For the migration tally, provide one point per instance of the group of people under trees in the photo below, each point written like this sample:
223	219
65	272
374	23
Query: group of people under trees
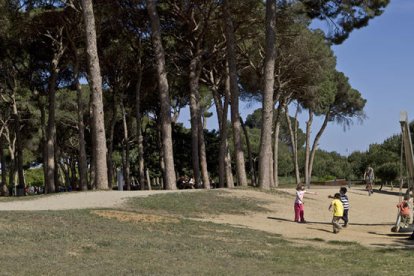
340	206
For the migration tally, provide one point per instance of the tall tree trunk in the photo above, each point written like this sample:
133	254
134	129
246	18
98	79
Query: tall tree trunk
19	149
307	147
203	155
82	157
223	138
125	146
227	160
293	144
111	140
276	147
51	130
249	153
316	142
83	164
170	178
195	115
44	143
97	102
140	138
265	154
4	191
225	172
12	169
234	89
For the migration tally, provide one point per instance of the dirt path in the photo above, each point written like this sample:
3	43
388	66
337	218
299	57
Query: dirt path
77	200
371	217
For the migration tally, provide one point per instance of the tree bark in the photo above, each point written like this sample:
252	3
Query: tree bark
44	144
223	138
227	160
101	174
194	119
83	164
203	155
293	144
4	191
249	153
316	142
51	130
170	178
234	89
307	147
125	146
111	139
140	138
265	154
19	147
276	147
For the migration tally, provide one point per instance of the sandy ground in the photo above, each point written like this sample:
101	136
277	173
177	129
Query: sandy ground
78	200
371	217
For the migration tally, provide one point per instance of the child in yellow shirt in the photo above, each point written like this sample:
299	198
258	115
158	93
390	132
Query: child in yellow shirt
338	211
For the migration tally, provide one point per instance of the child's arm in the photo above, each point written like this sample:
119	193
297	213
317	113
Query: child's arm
330	206
312	193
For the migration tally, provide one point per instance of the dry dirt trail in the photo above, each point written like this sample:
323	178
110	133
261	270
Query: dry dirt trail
371	217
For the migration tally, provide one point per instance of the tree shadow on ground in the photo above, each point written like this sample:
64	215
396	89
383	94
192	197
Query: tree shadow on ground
292	221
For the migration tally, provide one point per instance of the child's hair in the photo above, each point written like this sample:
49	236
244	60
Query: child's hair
300	187
405	204
343	190
337	195
406	197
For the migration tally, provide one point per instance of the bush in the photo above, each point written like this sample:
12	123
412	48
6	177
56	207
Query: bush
34	177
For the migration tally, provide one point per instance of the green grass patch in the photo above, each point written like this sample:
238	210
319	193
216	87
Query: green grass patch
194	204
343	243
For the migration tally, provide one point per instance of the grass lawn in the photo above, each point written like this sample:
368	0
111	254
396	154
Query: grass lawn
156	236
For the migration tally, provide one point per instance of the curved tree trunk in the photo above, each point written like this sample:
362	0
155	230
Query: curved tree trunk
265	154
316	142
293	144
170	178
234	90
101	171
307	147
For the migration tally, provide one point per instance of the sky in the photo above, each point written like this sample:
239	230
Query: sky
379	62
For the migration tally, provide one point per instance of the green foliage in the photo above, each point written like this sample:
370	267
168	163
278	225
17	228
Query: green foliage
389	171
34	177
331	165
343	17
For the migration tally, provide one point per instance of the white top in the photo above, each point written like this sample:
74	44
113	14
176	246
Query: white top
299	197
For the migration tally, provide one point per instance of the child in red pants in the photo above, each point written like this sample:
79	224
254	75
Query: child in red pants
299	210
